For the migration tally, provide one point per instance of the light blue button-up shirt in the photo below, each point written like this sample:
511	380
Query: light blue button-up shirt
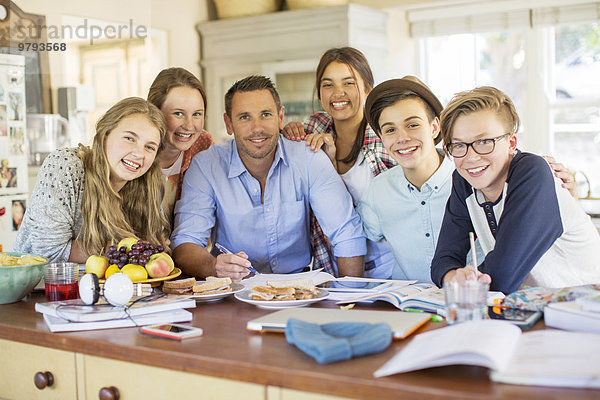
221	200
409	219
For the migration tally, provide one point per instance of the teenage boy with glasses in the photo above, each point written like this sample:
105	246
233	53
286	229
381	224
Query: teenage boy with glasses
531	230
405	204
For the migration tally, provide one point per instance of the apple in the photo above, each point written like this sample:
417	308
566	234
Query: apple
96	265
127	243
159	265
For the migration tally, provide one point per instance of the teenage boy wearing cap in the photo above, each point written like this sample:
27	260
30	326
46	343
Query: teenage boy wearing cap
406	205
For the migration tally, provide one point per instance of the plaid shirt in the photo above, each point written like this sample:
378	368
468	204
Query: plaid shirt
379	160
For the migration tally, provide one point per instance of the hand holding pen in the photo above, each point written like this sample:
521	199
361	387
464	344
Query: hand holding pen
469	272
472	271
235	266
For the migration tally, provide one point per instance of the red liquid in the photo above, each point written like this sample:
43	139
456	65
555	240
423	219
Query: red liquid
62	291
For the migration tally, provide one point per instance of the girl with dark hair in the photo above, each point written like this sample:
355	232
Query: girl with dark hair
343	81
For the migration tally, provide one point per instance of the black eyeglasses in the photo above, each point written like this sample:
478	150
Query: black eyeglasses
481	146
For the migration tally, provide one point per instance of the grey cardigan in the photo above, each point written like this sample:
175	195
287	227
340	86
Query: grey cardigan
53	216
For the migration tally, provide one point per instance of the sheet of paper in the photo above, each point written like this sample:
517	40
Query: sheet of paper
318	277
554	358
350	296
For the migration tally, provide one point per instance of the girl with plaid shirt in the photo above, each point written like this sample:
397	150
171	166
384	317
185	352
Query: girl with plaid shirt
343	81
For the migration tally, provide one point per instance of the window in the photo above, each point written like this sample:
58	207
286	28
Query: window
548	63
117	66
495	59
575	109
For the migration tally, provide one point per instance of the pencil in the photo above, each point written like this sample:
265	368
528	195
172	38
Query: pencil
473	250
222	249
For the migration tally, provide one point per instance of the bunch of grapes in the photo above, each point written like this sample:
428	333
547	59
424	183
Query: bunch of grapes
139	254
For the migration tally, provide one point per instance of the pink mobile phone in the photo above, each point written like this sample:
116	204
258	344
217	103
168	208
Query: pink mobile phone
172	331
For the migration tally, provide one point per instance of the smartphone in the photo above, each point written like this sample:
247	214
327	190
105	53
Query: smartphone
172	331
522	318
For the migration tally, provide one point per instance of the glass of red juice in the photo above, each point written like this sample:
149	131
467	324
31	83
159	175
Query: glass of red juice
61	281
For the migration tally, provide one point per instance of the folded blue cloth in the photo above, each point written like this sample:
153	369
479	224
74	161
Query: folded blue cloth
338	341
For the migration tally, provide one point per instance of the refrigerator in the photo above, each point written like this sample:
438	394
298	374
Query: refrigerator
14	185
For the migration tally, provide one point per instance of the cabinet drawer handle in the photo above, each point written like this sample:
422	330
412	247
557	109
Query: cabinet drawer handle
43	379
109	393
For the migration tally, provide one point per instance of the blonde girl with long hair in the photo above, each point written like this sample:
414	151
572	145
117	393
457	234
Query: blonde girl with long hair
87	198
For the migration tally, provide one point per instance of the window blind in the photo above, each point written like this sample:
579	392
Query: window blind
487	16
566	14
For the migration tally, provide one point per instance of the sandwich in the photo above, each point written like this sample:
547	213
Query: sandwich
180	286
213	285
271	293
297	289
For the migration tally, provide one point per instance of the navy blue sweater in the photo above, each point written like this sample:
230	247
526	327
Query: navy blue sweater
524	223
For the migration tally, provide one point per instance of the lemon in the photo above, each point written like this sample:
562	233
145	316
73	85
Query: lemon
135	272
112	269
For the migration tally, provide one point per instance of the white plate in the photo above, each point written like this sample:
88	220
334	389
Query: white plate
276	305
236	287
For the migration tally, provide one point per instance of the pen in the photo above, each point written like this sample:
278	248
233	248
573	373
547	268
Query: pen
434	317
222	249
473	251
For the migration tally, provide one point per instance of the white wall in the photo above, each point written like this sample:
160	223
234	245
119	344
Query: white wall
177	17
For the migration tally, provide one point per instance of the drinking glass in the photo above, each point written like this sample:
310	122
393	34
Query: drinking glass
465	301
61	281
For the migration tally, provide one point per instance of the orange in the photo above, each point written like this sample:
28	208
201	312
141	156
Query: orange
112	269
135	272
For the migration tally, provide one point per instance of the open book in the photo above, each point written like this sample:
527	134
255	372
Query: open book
543	357
423	296
77	311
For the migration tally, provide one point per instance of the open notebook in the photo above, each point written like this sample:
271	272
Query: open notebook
543	357
402	323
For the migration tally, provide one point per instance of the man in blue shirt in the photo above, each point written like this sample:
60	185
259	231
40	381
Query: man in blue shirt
253	195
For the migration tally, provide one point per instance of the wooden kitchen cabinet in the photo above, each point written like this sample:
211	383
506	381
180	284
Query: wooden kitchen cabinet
136	381
285	46
277	393
227	362
20	363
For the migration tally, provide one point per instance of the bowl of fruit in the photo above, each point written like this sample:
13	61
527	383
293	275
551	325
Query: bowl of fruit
138	259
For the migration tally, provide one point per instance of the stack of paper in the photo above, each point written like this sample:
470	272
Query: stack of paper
74	315
581	315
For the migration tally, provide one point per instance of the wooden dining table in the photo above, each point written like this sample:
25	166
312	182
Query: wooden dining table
228	361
